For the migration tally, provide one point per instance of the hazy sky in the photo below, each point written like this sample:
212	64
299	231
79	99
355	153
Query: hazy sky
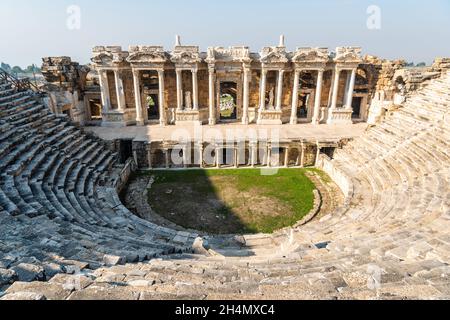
414	30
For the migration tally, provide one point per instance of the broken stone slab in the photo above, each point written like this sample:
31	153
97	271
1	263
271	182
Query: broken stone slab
51	291
111	260
73	264
7	277
52	269
21	296
132	258
72	282
201	246
141	283
29	272
7	262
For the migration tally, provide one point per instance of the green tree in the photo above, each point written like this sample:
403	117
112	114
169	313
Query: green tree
32	69
421	64
16	70
6	67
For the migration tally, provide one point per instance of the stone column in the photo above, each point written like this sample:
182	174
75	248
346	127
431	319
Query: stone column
286	157
179	90
119	91
162	107
335	89
212	107
195	89
317	155
334	96
218	157
316	116
347	85
269	156
351	88
295	92
246	93
137	97
104	86
253	154
279	89
236	158
262	91
302	157
200	153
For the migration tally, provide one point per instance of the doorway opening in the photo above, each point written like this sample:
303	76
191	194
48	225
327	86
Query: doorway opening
125	150
152	104
302	110
228	101
95	107
356	106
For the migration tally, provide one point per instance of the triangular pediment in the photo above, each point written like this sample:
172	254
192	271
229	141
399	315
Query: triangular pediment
310	55
274	55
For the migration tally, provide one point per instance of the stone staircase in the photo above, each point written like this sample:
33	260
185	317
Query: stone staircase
391	239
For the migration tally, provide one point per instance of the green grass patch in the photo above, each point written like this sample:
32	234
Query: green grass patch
232	201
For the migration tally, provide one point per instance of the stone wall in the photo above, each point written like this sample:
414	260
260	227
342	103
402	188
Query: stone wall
65	84
112	90
170	85
441	64
128	84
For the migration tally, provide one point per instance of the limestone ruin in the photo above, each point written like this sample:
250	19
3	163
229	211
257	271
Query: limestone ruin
378	129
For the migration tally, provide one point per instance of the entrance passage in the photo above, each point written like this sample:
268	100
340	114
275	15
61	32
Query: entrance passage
126	150
228	101
356	105
95	106
152	107
302	110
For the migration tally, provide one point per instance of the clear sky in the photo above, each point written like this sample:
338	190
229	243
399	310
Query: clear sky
415	30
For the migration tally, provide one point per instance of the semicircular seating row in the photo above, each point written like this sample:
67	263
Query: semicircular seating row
50	209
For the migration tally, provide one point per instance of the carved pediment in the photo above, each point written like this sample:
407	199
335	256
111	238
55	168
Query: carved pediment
274	55
103	58
348	54
108	55
143	57
185	57
232	54
310	55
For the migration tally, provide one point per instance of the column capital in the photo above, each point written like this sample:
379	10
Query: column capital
211	68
